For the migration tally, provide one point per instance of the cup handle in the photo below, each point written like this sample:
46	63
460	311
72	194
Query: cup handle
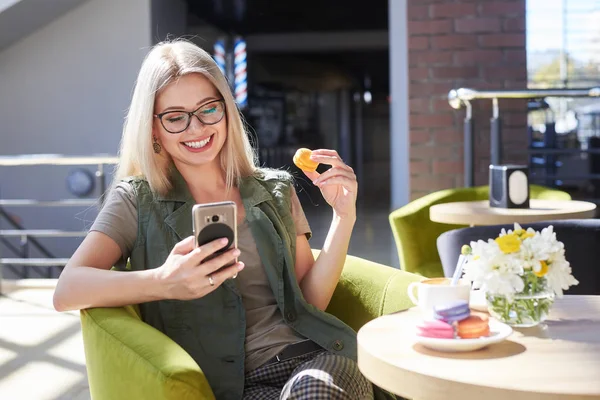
411	292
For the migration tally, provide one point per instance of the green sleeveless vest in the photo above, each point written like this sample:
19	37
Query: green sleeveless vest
212	329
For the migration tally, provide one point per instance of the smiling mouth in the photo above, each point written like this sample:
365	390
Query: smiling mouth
198	144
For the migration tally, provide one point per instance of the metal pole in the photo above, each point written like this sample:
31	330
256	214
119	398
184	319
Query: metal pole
469	147
345	138
358	135
24	252
495	136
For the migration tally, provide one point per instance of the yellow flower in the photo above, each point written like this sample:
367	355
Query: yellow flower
509	243
523	234
543	271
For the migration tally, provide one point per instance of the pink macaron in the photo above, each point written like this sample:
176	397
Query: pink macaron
435	329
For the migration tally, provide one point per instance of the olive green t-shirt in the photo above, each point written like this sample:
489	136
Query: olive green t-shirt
266	332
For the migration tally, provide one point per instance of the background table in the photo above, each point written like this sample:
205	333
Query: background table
480	212
557	360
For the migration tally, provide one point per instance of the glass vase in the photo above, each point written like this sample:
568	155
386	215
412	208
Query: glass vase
524	309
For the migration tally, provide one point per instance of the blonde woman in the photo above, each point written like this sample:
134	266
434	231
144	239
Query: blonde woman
264	334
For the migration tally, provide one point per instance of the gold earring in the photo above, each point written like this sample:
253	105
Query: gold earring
157	147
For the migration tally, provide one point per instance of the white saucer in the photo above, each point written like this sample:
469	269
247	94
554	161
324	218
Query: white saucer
498	333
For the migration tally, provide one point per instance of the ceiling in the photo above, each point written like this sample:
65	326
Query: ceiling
244	17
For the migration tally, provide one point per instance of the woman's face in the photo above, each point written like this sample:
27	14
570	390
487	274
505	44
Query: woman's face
200	142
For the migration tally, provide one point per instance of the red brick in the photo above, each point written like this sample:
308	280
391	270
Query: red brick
421	89
429	57
415	195
448	167
490	85
418	42
514	119
502	8
418	73
452	10
419	106
448	135
429	27
515	56
515	83
454	72
419	136
430	183
416	12
454	42
431	120
472	25
440	104
477	57
503	40
420	167
512	105
427	152
512	72
517	24
426	1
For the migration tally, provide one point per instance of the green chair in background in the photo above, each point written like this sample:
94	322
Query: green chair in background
128	359
416	235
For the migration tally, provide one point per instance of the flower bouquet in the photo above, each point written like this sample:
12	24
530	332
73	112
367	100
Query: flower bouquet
520	271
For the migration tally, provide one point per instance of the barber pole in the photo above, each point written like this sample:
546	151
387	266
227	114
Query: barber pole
241	75
219	55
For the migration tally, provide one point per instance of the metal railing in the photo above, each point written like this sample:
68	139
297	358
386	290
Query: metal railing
462	97
28	236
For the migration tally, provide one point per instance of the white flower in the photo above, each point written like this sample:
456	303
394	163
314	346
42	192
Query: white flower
492	270
559	275
496	272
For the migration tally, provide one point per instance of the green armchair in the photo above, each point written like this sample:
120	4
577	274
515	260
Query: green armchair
416	235
128	359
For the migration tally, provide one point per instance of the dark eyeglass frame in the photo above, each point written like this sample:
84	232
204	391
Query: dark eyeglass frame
192	114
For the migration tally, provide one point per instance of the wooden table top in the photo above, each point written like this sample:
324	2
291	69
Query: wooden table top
480	212
559	359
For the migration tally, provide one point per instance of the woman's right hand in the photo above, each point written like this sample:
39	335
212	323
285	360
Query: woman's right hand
185	276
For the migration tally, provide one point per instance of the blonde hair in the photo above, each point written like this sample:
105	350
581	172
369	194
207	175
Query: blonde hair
164	63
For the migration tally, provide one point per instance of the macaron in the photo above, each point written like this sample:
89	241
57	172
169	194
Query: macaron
474	327
452	311
303	161
435	329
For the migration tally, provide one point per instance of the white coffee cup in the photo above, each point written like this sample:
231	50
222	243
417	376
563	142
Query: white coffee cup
437	291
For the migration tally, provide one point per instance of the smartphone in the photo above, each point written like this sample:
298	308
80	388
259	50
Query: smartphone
213	221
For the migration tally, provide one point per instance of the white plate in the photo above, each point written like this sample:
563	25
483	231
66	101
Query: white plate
477	301
498	333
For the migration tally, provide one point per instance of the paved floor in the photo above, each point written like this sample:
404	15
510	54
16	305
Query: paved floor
41	350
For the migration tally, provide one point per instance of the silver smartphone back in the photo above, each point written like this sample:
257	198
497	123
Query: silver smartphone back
213	221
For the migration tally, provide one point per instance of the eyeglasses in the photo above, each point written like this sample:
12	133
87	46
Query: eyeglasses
178	121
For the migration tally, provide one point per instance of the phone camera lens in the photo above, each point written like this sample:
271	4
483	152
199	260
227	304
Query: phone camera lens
215	218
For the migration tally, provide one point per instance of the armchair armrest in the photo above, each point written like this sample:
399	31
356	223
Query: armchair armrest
129	359
368	290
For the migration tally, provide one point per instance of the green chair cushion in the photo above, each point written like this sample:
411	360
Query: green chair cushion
128	359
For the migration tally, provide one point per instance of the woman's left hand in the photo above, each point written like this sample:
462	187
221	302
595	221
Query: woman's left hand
338	184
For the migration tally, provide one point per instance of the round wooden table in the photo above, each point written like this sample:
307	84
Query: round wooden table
559	359
480	213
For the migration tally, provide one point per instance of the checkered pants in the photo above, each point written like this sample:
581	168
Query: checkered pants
315	376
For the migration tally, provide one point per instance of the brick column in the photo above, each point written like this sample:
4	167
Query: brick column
478	44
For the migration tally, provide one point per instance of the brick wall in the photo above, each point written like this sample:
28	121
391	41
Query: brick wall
478	44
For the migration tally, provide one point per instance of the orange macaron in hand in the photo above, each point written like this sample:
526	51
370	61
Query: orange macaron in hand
303	161
473	327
